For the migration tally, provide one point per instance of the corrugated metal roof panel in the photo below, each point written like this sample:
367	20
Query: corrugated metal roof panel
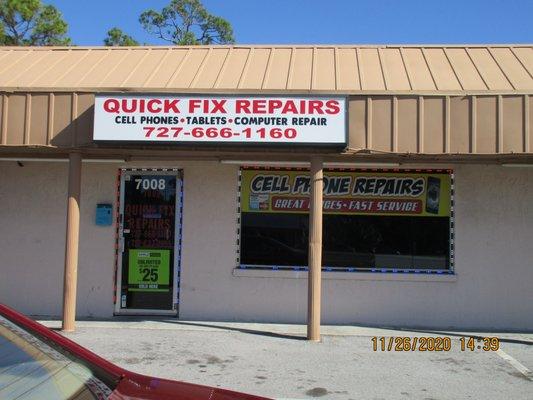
277	69
323	76
254	73
489	70
185	73
14	70
465	70
370	70
417	70
4	54
144	68
74	74
394	70
9	59
525	55
512	68
300	71
210	70
232	70
347	69
441	70
127	66
104	68
36	70
166	68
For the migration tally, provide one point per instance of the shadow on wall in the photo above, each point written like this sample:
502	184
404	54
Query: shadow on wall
78	132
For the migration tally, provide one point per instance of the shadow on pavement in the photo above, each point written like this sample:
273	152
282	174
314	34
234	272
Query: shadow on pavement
244	330
475	336
220	326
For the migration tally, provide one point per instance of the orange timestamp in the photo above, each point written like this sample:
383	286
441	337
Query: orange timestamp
433	343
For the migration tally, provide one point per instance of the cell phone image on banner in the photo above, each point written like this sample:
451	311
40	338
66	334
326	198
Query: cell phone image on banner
259	201
433	195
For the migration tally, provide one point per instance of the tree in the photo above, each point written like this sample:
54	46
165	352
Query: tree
31	23
187	22
115	37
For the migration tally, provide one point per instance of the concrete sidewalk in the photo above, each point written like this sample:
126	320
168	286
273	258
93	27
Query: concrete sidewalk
278	329
274	360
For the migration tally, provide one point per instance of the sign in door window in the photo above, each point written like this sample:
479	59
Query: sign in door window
149	241
149	270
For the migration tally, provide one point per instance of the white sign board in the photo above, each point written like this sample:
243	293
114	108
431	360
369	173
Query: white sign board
220	119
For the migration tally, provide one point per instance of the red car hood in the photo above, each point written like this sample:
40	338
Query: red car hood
129	385
143	387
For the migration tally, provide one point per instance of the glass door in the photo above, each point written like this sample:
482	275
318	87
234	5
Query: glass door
148	267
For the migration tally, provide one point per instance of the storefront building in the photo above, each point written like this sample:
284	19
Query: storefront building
184	181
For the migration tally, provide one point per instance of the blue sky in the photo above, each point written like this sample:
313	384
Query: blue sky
323	22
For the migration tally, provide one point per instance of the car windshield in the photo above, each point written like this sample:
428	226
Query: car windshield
30	369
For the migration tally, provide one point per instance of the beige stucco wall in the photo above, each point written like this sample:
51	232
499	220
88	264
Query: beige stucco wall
494	261
32	238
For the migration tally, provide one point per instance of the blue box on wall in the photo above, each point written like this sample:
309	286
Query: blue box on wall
104	214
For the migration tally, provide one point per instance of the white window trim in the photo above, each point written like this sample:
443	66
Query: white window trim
424	276
353	276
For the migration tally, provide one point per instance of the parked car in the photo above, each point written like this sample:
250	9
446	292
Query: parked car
38	363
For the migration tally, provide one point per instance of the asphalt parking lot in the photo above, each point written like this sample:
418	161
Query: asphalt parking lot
275	361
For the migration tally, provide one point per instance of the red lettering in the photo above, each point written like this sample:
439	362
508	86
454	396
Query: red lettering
316	105
242	106
111	106
171	105
332	107
259	106
194	104
289	107
218	106
274	105
132	108
150	105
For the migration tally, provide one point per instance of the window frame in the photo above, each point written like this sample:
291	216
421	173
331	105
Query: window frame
299	268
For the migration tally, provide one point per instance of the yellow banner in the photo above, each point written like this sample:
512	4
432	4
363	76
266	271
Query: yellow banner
421	194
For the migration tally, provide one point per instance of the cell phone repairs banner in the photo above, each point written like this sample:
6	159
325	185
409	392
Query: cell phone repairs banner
423	194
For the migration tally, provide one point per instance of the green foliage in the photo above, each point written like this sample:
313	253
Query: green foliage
187	22
115	37
30	23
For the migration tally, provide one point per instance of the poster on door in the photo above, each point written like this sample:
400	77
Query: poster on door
149	270
397	193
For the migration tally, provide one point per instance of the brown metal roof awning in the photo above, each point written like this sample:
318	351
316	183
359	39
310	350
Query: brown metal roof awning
421	101
339	69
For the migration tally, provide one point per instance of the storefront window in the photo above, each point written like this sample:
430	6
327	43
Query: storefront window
373	220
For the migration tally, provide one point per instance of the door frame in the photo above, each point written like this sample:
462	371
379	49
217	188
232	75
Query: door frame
178	218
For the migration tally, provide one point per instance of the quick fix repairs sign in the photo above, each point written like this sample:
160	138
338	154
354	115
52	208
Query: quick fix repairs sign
210	119
399	193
